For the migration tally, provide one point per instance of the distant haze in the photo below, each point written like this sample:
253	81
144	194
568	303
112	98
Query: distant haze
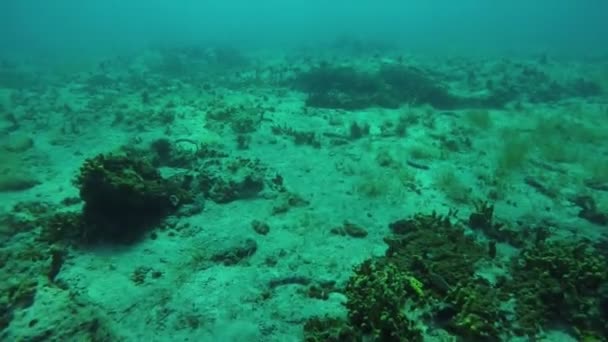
71	27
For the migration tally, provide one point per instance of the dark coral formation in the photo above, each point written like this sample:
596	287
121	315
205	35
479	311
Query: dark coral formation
482	219
165	152
123	196
589	210
242	119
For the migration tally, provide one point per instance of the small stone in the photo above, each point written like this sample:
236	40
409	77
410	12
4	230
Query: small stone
15	182
350	229
354	230
19	144
238	251
260	227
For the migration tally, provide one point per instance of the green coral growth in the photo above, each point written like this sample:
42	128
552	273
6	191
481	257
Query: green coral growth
328	329
561	282
437	252
436	268
443	258
477	316
377	294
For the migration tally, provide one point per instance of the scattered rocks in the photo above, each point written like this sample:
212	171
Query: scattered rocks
236	253
350	229
19	143
260	227
590	211
17	182
287	200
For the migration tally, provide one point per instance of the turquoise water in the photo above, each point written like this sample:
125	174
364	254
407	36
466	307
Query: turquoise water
303	171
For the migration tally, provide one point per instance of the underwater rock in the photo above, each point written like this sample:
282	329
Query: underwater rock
17	182
19	143
260	227
350	229
239	251
225	180
309	138
590	211
15	174
286	200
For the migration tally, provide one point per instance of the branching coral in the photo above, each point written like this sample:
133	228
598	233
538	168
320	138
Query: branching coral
561	282
377	293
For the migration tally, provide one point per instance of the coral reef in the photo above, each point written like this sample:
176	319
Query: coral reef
377	294
378	132
475	313
561	282
124	196
435	250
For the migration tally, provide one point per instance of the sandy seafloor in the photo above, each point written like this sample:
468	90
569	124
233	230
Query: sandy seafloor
56	117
